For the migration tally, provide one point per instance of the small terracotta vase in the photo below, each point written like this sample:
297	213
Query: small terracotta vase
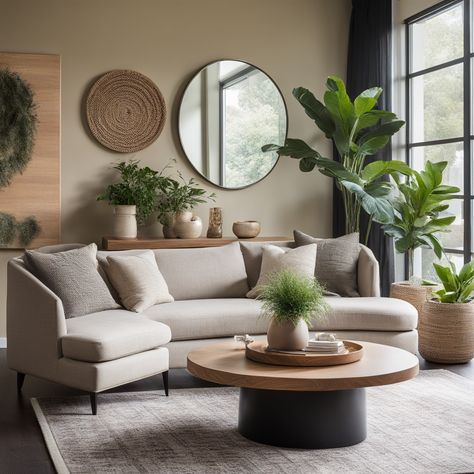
125	222
286	336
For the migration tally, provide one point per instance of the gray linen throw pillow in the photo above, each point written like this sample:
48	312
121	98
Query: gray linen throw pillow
73	276
336	261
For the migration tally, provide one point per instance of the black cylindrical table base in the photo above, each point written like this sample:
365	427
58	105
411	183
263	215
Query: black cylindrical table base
310	420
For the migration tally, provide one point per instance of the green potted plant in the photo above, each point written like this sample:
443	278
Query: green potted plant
133	197
446	327
419	217
175	202
291	301
358	130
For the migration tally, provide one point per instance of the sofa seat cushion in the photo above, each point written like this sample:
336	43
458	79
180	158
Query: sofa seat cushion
209	318
109	335
367	314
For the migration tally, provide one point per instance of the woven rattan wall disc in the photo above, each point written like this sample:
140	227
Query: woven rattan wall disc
125	111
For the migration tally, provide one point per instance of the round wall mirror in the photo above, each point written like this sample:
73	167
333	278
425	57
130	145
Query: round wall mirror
229	110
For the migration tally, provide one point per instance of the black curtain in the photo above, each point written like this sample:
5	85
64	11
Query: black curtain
369	64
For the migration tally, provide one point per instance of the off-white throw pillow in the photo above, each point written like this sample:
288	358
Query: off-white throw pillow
137	280
301	260
336	263
73	275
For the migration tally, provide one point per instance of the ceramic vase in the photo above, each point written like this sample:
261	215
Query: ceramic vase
214	231
168	228
246	229
125	222
187	226
287	337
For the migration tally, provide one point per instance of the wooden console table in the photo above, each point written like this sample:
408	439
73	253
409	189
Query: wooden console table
109	243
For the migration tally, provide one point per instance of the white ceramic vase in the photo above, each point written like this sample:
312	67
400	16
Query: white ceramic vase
125	222
287	337
187	226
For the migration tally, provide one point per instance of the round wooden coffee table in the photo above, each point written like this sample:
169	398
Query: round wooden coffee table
302	407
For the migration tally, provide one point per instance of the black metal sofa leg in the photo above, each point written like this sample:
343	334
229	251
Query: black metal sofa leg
93	397
165	382
20	378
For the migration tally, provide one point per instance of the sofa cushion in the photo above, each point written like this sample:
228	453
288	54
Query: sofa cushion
109	335
367	314
211	318
253	252
137	280
274	259
73	275
336	263
217	272
201	319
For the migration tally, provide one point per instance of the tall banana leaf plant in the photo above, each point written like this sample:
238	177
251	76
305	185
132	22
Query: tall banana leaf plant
358	130
420	212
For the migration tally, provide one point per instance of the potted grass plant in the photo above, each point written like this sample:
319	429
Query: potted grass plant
291	301
446	327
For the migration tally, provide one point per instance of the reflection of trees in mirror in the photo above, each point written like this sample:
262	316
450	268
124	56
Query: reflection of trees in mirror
256	115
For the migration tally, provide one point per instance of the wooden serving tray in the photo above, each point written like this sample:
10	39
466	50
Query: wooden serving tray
257	352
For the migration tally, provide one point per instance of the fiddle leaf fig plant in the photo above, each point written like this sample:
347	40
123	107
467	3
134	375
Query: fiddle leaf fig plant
457	287
418	211
358	130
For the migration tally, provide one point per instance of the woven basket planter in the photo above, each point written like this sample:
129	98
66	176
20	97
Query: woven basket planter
446	332
415	294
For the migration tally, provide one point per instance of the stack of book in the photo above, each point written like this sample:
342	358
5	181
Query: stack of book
326	347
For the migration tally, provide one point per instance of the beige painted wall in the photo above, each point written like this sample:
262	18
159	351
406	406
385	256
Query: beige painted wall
297	42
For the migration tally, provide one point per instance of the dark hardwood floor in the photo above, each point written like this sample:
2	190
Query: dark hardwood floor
22	449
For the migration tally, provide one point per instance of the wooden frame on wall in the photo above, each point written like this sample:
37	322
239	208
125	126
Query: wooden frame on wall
36	192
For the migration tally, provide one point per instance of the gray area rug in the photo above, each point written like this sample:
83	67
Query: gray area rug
425	425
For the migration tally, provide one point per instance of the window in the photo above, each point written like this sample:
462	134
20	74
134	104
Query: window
438	91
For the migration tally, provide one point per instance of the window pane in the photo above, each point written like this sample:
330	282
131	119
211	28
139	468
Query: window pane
451	152
454	239
437	39
428	258
437	104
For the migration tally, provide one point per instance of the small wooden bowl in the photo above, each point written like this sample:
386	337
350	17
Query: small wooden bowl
246	229
257	352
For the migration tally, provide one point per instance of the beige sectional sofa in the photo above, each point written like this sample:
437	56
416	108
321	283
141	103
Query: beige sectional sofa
209	286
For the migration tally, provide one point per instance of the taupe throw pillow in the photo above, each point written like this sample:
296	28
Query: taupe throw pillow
336	263
74	277
301	260
137	280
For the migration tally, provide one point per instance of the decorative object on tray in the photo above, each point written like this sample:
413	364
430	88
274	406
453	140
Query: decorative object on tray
246	229
291	301
325	343
187	225
178	196
258	351
214	231
134	194
446	326
125	111
245	339
29	149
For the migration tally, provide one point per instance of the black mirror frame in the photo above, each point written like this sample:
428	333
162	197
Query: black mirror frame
179	117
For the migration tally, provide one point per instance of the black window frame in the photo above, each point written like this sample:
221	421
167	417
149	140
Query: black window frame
465	59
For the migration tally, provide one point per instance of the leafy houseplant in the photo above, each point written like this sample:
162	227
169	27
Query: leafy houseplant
417	219
446	328
358	130
291	301
176	201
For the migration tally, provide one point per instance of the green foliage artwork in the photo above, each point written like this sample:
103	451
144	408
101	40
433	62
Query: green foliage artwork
18	121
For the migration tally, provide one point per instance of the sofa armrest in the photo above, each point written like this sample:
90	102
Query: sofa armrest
35	323
368	278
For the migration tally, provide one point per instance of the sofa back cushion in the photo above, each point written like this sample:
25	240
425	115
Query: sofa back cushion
252	253
73	275
201	273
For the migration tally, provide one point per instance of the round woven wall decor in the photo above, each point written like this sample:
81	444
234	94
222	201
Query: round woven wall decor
125	111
